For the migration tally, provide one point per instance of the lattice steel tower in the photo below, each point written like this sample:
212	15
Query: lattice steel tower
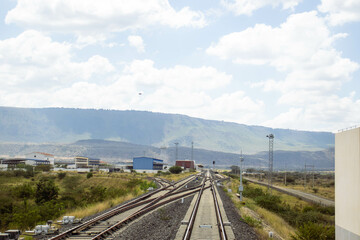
271	159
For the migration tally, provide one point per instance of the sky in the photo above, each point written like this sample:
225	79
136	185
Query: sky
276	63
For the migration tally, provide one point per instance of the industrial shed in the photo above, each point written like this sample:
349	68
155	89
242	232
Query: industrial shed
146	163
186	164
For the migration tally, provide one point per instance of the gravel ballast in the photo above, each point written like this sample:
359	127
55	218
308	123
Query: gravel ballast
242	230
162	223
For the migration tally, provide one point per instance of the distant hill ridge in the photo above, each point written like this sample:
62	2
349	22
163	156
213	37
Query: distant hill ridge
114	151
67	125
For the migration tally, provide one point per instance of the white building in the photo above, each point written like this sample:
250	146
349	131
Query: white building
36	156
347	184
86	162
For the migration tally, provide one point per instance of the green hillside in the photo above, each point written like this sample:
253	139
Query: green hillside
65	125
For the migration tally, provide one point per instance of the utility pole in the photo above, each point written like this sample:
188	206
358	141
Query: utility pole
241	187
313	179
176	151
271	159
285	172
192	151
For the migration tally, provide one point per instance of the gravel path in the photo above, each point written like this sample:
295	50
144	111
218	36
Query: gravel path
242	230
163	223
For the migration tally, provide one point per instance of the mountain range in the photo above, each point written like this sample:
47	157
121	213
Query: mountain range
67	125
114	135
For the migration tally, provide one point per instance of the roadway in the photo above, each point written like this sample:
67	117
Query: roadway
296	193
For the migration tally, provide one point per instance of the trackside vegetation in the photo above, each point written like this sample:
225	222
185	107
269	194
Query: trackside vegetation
29	198
310	221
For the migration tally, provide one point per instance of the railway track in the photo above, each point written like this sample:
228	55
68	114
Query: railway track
103	226
206	218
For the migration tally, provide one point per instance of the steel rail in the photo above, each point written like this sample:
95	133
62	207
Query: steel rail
221	227
193	214
134	203
139	213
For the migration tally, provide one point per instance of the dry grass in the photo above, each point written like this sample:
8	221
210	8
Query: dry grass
98	207
176	177
320	184
326	192
268	218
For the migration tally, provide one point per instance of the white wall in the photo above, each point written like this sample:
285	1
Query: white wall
347	185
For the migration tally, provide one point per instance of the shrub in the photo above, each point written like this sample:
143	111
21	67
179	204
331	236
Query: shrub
46	190
326	210
24	191
290	179
311	231
253	192
43	168
309	216
175	169
252	221
61	175
270	202
89	175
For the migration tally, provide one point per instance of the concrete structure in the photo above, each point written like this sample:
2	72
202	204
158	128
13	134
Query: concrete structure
123	165
13	162
86	162
40	156
347	185
186	164
146	163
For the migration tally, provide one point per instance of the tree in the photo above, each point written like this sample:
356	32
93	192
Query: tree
175	169
89	175
24	192
46	190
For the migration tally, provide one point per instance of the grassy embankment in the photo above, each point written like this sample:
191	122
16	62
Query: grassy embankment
30	199
104	181
287	215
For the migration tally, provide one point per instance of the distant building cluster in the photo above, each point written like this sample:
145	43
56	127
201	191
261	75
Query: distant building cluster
85	164
40	158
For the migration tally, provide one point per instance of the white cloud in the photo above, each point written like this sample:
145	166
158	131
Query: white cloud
302	49
96	19
178	77
137	42
247	7
33	61
341	11
328	113
36	71
236	107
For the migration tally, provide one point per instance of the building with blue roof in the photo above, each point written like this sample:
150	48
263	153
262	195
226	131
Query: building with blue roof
146	163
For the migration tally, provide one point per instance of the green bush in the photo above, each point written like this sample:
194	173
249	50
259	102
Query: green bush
311	231
253	192
270	202
290	179
61	175
46	190
89	175
175	169
252	221
309	216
